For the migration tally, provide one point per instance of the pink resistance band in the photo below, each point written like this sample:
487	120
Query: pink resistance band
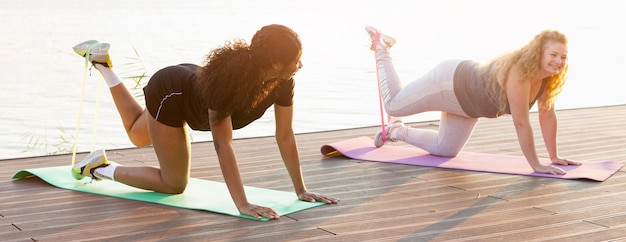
380	95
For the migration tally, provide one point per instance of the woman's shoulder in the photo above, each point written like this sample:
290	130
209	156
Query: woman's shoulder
183	67
179	70
187	66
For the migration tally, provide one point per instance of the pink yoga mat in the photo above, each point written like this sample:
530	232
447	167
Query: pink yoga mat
362	148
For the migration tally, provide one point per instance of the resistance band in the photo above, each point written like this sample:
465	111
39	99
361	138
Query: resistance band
80	107
380	94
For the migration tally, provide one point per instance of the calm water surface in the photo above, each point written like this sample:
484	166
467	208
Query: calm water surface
41	78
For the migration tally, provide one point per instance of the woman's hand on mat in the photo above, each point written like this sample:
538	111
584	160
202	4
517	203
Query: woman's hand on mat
549	169
258	211
564	162
314	197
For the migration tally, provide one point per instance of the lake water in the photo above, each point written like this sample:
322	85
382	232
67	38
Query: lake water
41	77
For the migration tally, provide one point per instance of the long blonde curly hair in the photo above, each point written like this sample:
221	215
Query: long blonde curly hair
528	60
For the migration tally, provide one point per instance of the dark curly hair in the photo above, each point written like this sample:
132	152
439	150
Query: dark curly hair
231	77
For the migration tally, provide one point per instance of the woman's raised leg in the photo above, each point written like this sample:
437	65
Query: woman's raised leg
132	113
433	91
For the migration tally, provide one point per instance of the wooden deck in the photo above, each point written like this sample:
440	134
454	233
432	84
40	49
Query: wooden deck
379	202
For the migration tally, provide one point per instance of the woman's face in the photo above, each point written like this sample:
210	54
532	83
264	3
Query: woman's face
289	70
554	57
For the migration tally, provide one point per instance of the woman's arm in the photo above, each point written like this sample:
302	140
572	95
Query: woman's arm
222	132
287	144
289	151
518	92
548	123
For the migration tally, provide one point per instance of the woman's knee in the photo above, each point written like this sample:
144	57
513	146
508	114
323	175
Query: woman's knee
174	188
396	109
446	152
392	112
138	133
139	139
172	181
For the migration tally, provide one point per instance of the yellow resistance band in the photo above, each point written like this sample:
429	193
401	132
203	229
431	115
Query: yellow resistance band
80	107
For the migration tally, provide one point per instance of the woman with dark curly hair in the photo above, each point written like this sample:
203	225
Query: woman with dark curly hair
465	91
235	86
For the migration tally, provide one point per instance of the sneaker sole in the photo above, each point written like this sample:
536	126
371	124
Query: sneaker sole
78	49
99	52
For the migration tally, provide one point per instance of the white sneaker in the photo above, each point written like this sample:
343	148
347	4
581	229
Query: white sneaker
384	41
99	52
86	167
378	138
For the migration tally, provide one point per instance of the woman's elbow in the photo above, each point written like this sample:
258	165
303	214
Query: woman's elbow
284	136
547	115
520	123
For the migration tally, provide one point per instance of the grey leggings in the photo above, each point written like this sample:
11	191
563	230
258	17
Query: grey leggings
431	92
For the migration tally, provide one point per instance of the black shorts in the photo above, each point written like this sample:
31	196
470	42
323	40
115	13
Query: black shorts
167	94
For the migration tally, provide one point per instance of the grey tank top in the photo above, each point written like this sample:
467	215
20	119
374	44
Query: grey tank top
475	96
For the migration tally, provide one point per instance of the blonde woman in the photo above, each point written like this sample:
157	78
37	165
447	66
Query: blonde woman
465	91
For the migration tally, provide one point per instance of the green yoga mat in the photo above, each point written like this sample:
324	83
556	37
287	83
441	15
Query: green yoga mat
199	195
